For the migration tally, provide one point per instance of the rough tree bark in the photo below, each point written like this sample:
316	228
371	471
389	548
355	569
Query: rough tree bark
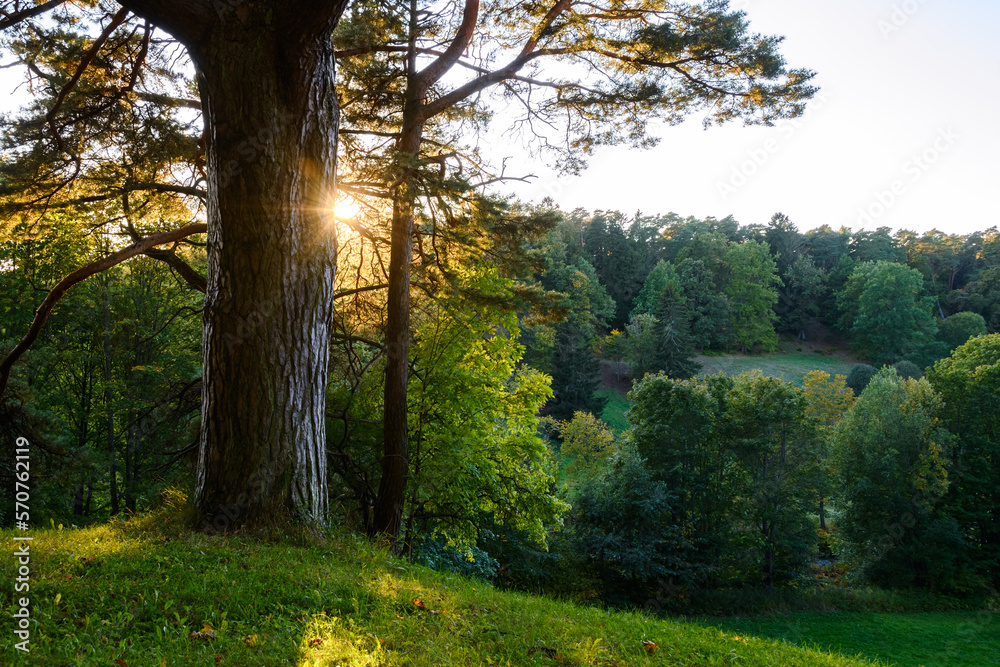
266	76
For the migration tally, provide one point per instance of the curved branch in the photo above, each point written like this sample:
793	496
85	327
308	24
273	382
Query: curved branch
25	14
194	279
56	293
430	75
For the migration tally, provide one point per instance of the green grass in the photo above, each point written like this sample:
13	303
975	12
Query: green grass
955	639
113	595
614	411
790	366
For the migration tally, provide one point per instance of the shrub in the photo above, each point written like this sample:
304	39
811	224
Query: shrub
960	327
907	369
859	377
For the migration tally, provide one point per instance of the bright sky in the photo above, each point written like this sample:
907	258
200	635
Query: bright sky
904	132
905	129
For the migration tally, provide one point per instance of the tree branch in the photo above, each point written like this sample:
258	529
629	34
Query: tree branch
186	20
528	53
430	75
194	279
13	19
57	292
358	290
50	117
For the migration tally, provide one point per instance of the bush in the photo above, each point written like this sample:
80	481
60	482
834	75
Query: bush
859	377
907	369
960	327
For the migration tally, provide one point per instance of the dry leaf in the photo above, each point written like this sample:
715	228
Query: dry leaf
417	602
250	640
649	646
206	636
315	641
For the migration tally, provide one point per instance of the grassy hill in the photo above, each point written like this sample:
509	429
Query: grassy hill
791	363
128	595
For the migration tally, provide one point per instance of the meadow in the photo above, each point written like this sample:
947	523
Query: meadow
145	595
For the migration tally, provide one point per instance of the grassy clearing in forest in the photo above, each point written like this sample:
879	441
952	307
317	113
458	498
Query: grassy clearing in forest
150	596
614	411
791	366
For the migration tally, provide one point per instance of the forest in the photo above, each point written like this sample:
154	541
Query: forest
248	304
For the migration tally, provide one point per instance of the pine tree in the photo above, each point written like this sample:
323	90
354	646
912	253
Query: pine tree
675	348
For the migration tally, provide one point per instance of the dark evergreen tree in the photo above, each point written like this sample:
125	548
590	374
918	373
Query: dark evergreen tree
576	370
674	347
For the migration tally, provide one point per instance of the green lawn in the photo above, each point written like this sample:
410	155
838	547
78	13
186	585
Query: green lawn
955	639
791	366
149	597
614	410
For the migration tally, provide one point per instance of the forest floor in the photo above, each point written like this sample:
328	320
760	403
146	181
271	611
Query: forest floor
146	595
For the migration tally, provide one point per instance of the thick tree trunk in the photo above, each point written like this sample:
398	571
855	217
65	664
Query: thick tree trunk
271	116
266	76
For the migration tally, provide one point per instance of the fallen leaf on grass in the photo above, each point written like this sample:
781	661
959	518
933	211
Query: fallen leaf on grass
315	641
417	602
250	640
206	633
649	646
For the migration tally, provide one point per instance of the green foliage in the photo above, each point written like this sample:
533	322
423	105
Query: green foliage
109	392
640	345
907	369
752	292
652	289
619	523
859	377
707	304
883	310
891	453
968	383
960	327
474	445
674	347
587	442
985	297
742	464
778	448
802	295
565	348
828	399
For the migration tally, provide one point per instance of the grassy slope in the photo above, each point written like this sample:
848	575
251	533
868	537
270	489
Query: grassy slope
956	639
791	366
108	596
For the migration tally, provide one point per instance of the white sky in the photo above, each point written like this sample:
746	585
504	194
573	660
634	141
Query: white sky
899	79
886	97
